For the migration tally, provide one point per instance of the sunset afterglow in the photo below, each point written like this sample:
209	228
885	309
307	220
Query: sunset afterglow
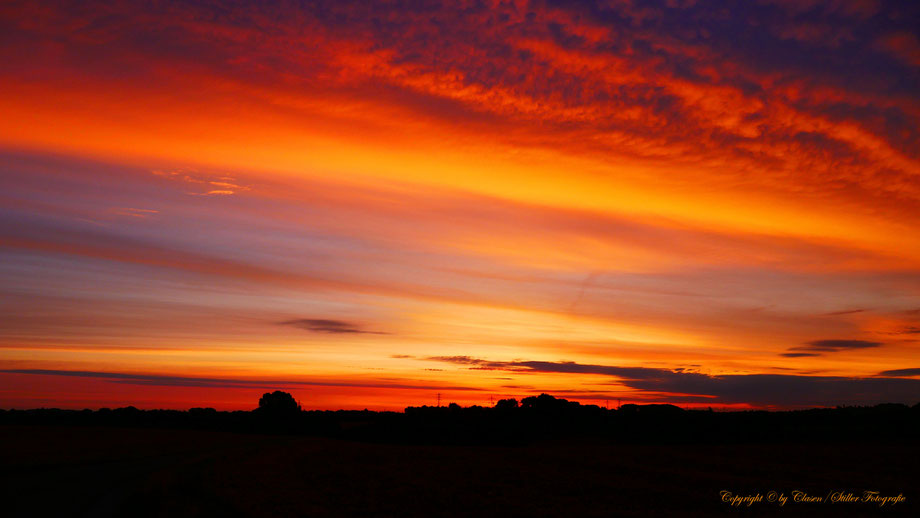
369	205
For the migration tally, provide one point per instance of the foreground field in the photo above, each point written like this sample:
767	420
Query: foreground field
84	471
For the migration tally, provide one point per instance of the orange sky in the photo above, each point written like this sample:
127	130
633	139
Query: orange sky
370	204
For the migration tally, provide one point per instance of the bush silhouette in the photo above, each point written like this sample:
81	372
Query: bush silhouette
278	403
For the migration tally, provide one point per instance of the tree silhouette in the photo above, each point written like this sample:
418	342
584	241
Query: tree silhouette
278	403
545	402
506	404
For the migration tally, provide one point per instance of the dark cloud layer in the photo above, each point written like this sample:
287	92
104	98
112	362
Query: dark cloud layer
837	345
819	347
845	312
901	372
322	325
757	389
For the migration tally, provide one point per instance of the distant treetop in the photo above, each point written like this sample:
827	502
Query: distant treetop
278	402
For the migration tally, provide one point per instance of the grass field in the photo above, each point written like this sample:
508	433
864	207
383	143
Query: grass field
83	471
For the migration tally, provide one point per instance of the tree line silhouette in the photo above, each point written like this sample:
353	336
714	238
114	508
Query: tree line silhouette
511	422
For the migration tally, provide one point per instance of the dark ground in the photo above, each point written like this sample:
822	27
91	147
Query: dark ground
67	471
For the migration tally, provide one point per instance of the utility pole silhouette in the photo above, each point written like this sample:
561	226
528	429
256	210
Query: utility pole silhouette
491	402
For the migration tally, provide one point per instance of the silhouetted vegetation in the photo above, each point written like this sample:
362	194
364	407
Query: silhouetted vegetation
510	422
542	456
278	403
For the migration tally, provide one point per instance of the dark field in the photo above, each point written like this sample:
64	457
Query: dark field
88	471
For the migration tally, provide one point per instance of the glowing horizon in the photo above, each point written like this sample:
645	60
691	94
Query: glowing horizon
368	205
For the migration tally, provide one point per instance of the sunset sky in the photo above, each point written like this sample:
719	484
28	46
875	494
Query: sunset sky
370	204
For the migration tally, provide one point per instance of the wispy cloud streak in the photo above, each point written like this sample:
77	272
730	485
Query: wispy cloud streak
187	381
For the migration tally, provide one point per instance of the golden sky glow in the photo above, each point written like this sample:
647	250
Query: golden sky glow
368	204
